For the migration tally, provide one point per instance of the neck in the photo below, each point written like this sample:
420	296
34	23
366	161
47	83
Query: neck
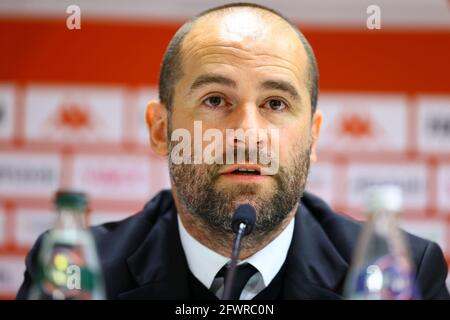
223	243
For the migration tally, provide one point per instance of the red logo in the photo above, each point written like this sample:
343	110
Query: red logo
356	126
73	116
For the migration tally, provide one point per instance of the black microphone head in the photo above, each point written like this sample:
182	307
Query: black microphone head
245	213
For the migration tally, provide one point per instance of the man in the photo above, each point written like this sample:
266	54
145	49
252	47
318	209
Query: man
239	66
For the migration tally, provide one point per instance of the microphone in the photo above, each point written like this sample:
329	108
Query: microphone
244	219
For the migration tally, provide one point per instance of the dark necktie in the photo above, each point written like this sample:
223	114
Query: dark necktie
243	273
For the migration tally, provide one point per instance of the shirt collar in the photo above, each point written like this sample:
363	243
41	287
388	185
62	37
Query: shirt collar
205	263
269	259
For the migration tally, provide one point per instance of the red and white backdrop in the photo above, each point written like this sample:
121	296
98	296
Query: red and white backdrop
72	109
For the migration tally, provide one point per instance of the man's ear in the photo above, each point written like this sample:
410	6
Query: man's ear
156	118
316	123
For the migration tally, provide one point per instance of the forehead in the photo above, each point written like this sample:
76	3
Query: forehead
247	36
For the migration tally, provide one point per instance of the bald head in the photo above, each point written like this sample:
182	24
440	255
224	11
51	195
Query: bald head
240	22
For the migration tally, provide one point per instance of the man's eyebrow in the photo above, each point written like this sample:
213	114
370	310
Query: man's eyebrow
281	85
210	78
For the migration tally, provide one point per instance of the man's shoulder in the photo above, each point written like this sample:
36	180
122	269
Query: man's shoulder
343	231
125	236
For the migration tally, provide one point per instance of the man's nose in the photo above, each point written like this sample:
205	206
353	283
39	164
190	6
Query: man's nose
247	117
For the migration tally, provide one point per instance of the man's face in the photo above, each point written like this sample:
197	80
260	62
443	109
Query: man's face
242	71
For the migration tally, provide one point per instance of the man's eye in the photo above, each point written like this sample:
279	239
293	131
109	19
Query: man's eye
214	102
275	104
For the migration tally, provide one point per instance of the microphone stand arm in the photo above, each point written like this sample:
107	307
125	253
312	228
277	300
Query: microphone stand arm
231	272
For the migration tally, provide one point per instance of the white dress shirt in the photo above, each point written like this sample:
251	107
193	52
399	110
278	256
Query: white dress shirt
205	263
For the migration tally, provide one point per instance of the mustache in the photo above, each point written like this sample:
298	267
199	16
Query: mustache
268	162
261	153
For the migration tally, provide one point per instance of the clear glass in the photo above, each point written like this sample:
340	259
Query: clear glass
68	266
381	268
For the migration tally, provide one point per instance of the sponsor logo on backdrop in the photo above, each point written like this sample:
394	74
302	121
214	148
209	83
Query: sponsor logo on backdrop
443	188
412	178
113	177
429	229
357	126
363	123
434	124
439	127
11	274
6	112
321	181
30	223
74	115
26	174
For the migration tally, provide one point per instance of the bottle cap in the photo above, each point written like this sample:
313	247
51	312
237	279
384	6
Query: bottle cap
70	199
384	198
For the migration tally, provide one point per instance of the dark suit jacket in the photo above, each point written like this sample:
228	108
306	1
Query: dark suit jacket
142	256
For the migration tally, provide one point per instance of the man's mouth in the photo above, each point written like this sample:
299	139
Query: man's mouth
244	169
243	173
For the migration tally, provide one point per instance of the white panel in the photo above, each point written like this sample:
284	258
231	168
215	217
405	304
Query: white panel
2	227
116	177
412	178
429	229
30	223
74	114
11	274
160	178
433	124
321	181
143	97
7	101
443	187
29	174
363	123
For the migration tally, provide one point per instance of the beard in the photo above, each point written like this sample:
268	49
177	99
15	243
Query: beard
213	206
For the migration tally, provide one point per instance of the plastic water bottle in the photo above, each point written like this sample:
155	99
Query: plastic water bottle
381	268
68	266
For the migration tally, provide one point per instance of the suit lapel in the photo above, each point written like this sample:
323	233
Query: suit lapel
159	265
314	268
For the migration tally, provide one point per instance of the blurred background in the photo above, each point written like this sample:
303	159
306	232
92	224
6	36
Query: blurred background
72	107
